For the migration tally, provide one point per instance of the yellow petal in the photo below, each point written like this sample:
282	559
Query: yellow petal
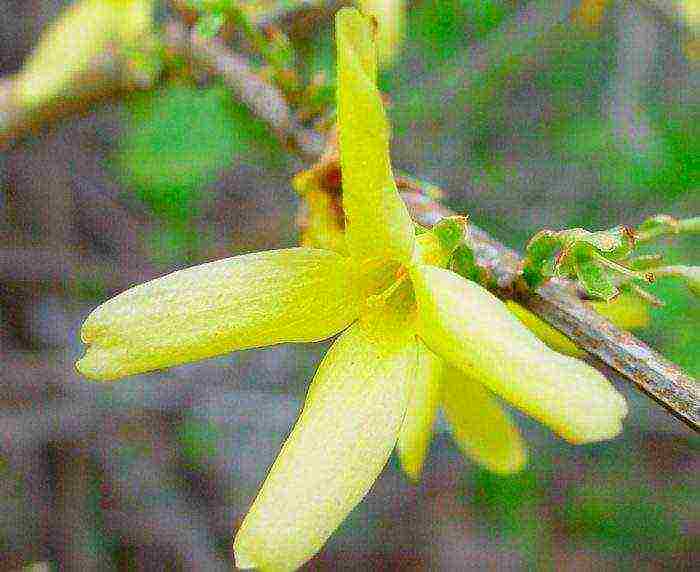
338	447
627	311
291	295
378	223
391	26
417	429
472	329
548	334
481	428
78	37
322	221
430	251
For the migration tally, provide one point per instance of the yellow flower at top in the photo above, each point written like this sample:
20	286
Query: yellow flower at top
390	18
412	335
77	39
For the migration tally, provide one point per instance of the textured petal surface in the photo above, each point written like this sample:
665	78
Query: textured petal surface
378	223
338	447
480	427
291	295
417	429
469	327
548	334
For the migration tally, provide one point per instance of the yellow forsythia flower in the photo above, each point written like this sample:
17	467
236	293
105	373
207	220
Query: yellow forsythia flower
77	39
413	335
390	16
690	9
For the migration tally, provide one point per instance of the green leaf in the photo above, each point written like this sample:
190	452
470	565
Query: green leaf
539	252
689	274
450	231
464	263
209	25
594	279
615	243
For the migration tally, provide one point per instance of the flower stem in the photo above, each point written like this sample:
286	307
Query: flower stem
667	225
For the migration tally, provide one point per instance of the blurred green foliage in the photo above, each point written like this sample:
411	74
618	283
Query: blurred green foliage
177	142
674	328
441	27
623	518
198	440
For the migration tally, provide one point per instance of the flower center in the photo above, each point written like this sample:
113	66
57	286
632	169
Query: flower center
398	294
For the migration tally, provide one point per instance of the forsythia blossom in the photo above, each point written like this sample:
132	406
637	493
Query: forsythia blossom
413	336
77	40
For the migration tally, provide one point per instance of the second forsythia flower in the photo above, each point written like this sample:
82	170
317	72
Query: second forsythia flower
412	335
77	40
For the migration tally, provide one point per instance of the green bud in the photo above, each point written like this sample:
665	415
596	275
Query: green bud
595	280
539	257
463	262
451	232
616	243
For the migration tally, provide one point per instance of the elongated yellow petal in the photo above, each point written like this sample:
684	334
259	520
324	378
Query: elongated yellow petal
469	327
378	223
417	429
338	447
627	311
548	334
481	428
291	295
79	36
391	26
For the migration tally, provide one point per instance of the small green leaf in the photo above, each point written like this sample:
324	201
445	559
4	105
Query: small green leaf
615	243
464	263
209	25
539	253
451	232
594	280
664	223
689	274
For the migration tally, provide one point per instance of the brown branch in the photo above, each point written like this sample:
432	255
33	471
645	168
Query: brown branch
104	83
557	303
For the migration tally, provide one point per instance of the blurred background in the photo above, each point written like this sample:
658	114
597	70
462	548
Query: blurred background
529	115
